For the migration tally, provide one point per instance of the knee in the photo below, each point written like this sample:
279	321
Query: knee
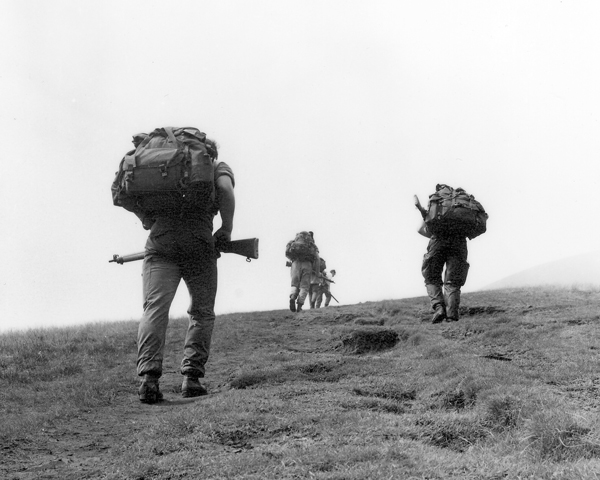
202	320
452	288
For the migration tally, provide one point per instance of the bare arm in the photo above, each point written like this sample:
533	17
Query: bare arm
226	201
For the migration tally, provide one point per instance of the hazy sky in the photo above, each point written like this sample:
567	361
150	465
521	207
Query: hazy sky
332	115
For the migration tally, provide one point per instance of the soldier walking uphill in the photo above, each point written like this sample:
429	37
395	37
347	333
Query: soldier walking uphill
304	257
181	246
325	288
316	279
452	217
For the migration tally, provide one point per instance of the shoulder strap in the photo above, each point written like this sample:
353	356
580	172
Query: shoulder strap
170	134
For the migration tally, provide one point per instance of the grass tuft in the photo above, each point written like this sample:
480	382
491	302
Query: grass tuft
556	436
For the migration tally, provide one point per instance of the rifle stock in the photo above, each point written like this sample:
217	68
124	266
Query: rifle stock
247	247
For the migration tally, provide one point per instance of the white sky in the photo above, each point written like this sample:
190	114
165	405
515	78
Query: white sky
332	115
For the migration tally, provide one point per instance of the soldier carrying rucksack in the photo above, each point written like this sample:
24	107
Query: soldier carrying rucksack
304	256
452	216
174	182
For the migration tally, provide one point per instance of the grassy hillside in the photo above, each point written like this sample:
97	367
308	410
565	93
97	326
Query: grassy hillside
368	391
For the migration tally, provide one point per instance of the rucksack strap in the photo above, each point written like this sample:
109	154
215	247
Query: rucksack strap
170	134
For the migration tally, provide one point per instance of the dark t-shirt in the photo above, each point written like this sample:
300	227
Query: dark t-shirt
182	237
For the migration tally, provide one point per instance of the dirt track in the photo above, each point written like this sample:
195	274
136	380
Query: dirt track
83	446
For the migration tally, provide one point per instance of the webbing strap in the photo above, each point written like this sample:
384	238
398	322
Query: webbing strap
171	135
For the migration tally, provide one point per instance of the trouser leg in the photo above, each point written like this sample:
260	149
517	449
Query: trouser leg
304	282
160	281
319	299
452	301
327	298
455	277
295	273
315	295
436	296
201	282
432	267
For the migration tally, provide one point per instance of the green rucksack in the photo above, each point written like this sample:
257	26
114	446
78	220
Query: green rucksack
169	170
454	213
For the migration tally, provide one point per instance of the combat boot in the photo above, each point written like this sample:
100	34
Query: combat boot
191	387
436	297
292	304
453	303
439	314
149	392
299	307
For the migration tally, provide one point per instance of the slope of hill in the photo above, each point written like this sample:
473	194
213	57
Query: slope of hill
582	271
351	392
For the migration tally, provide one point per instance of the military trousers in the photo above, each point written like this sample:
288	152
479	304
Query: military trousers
161	277
449	253
301	272
323	290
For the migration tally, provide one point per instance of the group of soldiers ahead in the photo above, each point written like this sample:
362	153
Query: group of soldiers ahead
452	216
175	183
309	273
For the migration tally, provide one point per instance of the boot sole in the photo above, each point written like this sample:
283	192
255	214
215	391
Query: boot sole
151	398
193	393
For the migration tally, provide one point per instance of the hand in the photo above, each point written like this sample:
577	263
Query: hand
222	235
147	223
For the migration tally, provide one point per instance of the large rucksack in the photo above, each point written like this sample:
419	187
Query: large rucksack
454	213
302	248
169	170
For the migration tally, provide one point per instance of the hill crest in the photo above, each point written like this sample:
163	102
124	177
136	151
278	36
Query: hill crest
582	271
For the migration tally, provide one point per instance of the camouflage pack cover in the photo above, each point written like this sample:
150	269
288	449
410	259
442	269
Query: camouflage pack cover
302	248
454	213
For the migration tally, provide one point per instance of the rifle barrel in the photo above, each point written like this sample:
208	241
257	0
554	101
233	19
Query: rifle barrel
127	258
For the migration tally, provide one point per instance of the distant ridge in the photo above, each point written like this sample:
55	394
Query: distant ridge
580	270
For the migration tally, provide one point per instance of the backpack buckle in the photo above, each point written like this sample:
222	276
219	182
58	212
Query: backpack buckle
163	170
